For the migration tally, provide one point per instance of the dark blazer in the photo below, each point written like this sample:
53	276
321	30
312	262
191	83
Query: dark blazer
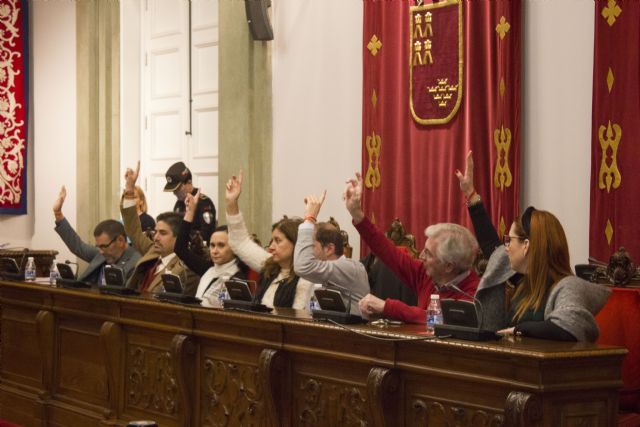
92	255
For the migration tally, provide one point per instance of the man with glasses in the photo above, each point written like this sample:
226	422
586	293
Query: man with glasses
111	246
444	265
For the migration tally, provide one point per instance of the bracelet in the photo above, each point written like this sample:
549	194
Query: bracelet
310	218
471	195
475	196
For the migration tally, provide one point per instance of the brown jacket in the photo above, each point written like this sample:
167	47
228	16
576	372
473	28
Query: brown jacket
144	245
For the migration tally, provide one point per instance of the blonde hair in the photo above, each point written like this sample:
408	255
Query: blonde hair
143	199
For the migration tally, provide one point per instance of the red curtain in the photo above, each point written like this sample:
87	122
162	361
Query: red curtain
13	106
615	176
409	164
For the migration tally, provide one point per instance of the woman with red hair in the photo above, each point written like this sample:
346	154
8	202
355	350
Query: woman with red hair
549	301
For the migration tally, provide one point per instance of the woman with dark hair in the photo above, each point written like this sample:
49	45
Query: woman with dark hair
549	301
278	285
223	263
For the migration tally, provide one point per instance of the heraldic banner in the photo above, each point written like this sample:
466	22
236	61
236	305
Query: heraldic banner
13	106
440	79
615	175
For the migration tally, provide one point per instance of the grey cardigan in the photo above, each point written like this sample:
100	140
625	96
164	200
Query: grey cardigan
572	303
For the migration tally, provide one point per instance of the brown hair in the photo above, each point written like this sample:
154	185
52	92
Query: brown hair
327	233
288	227
547	261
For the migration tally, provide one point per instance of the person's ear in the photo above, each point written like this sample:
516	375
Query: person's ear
525	245
330	248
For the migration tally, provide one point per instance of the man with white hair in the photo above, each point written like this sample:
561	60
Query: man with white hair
446	260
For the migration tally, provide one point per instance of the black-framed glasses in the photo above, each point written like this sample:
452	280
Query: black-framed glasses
506	239
106	245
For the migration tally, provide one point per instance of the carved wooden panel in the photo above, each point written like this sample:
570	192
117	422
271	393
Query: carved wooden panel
322	402
424	412
151	382
231	394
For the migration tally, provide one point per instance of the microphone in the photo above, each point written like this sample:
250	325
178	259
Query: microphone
349	293
479	309
66	261
338	313
464	332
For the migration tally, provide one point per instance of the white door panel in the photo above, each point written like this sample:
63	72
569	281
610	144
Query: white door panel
170	134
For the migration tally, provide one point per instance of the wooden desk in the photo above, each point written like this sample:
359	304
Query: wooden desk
72	358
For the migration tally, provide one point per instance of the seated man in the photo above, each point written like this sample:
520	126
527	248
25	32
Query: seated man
158	257
446	260
111	245
319	254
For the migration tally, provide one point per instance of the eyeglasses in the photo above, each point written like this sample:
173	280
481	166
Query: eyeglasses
106	245
506	239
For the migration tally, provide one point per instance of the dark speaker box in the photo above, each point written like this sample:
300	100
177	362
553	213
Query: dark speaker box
258	19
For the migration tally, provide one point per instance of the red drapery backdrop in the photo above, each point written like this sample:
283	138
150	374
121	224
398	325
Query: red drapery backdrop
410	147
615	175
13	106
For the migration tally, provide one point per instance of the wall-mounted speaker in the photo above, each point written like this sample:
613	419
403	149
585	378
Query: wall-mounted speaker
258	19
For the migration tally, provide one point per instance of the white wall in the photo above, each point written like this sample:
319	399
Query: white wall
317	96
557	114
54	121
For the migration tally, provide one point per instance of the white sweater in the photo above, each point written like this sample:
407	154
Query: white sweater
255	257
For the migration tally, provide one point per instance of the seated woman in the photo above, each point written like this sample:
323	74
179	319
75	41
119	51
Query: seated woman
278	286
146	221
549	302
222	265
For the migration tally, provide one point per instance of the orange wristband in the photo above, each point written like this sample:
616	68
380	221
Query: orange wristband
471	195
310	218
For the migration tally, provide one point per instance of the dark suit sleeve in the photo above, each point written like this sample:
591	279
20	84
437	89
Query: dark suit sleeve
485	231
205	207
546	330
181	248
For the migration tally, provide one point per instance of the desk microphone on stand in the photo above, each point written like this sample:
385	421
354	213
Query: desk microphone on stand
469	333
332	306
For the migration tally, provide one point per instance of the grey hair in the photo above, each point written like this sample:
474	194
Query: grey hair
456	244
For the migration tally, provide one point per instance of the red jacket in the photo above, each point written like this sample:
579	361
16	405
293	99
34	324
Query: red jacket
412	272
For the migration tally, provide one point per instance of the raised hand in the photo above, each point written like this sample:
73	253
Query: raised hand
353	198
466	180
191	205
57	204
313	205
232	193
130	178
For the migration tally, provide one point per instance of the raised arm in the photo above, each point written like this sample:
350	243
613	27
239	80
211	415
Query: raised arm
232	193
68	235
353	198
485	231
130	217
239	240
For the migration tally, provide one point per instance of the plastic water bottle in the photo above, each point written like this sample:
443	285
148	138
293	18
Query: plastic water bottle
434	313
30	270
222	295
53	273
313	303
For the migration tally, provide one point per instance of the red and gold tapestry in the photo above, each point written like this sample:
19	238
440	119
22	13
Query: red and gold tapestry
440	78
615	176
13	106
